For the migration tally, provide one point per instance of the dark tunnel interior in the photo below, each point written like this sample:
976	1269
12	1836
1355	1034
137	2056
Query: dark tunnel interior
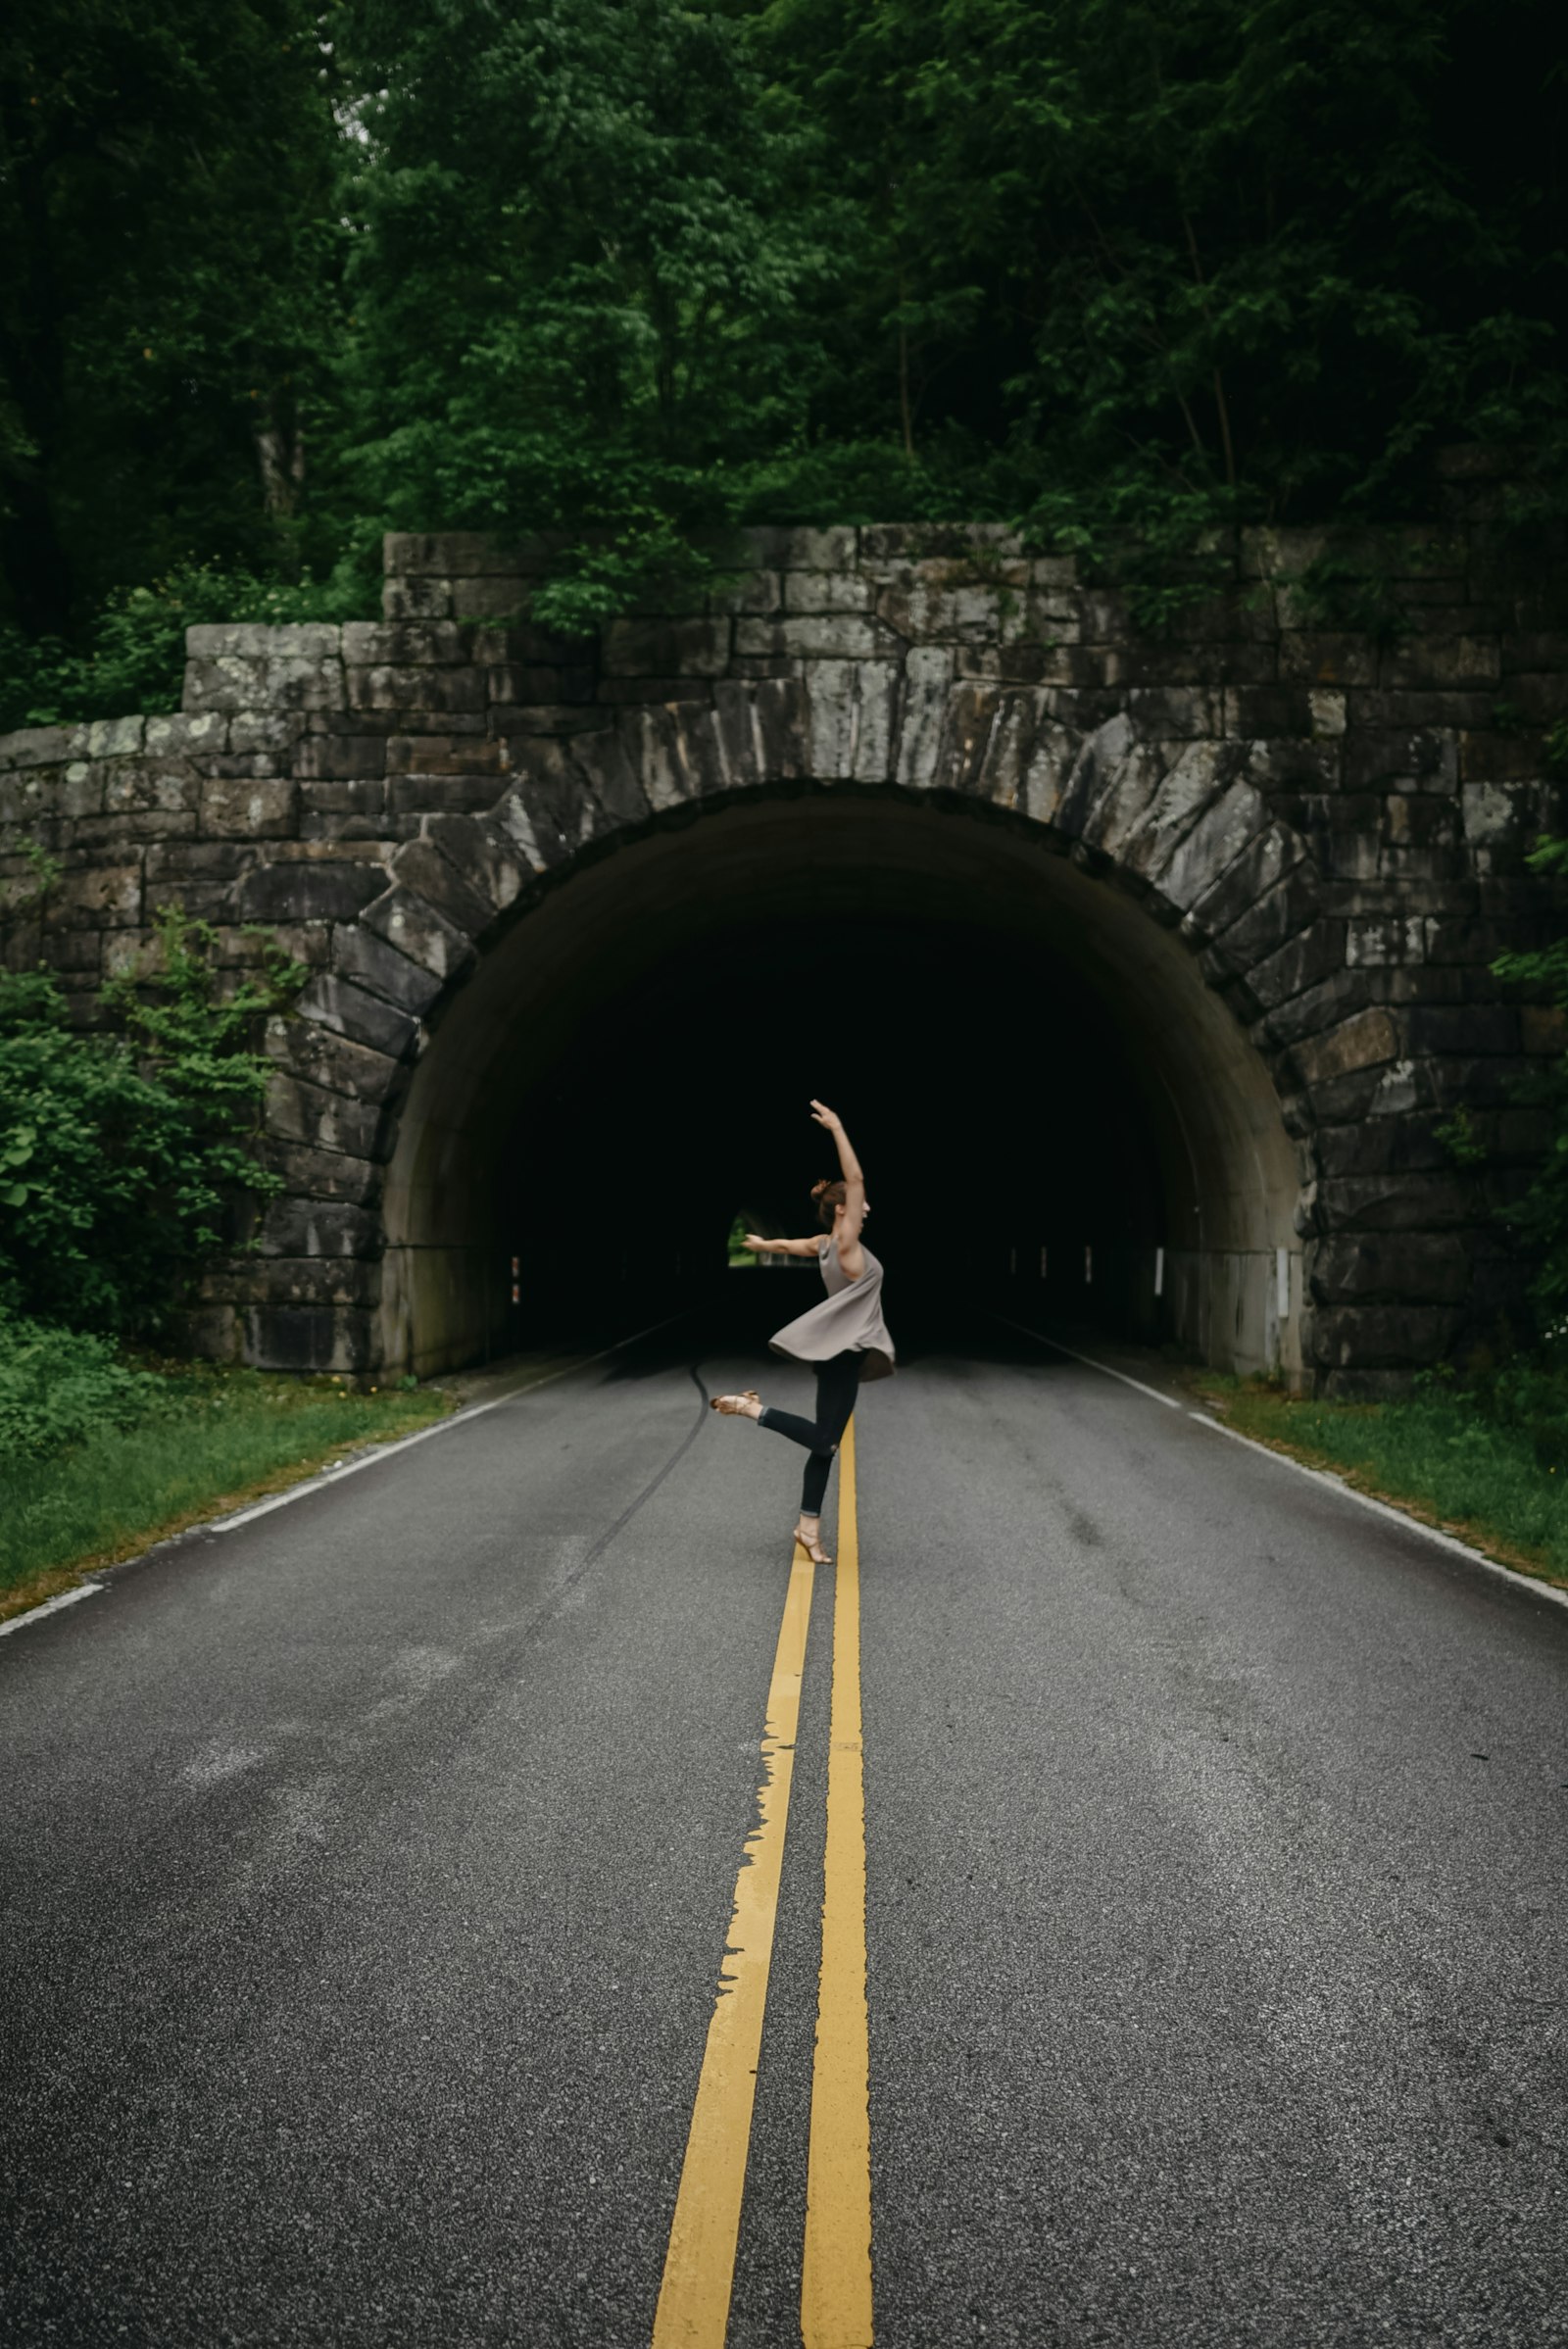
1054	1112
685	1105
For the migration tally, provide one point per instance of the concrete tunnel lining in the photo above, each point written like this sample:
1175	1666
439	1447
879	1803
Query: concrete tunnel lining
1227	1169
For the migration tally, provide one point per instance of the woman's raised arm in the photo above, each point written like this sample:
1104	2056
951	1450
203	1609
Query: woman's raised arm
847	1225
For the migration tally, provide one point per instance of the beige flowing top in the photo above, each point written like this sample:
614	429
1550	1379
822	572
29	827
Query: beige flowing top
850	1316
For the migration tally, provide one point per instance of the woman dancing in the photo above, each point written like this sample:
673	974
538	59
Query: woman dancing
844	1335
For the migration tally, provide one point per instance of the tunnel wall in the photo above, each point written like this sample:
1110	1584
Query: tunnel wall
1330	825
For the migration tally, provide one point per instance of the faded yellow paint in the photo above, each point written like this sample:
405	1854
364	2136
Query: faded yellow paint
699	2263
836	2278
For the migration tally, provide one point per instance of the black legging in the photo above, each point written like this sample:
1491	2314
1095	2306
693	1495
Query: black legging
837	1380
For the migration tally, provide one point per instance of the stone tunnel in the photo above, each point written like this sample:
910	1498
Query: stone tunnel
1145	967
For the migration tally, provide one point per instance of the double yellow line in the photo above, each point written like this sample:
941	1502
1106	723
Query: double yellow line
700	2265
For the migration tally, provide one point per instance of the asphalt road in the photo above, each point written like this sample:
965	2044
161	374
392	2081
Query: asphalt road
365	1873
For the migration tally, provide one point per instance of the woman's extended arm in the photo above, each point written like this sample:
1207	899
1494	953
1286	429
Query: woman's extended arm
782	1248
847	1228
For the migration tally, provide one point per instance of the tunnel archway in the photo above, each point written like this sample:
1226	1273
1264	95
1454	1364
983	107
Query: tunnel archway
1053	1104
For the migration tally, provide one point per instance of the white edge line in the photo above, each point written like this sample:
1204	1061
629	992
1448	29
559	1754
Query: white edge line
1169	1401
1383	1508
440	1426
333	1476
48	1607
1320	1476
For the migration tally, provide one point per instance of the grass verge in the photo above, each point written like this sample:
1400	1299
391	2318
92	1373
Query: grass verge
1434	1454
213	1439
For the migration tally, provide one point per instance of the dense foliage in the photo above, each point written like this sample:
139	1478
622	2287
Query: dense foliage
120	1147
58	1386
277	278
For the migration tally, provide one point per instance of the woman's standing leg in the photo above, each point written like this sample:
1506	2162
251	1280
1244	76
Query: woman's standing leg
837	1384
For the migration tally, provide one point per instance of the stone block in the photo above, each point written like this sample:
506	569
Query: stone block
779	723
1398	1200
253	809
98	897
1423	756
1349	1342
325	1056
42	746
269	734
1194	863
343	812
1196	779
413	644
1540	700
1499	814
1444	661
680	648
418	930
784	550
850	713
277	1284
753	592
114	737
1366	1040
1296	969
420	599
336	1002
826	591
435	690
310	641
314	889
409	796
135	788
513	688
1265	899
817	636
184	737
1010	752
1253	710
342	758
1468	1029
445	755
1378	708
1163	714
1535	648
310	1338
309	1173
229	684
1311	657
419	865
1424	1268
605	765
485	858
928	674
299	1111
315	1227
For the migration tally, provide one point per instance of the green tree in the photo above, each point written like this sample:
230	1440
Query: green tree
171	247
1184	261
584	260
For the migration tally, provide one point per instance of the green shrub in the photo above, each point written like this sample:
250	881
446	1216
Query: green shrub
121	1149
58	1387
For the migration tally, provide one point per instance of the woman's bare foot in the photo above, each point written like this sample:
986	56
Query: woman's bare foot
808	1534
746	1406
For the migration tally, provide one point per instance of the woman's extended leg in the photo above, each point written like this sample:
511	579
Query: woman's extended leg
836	1383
